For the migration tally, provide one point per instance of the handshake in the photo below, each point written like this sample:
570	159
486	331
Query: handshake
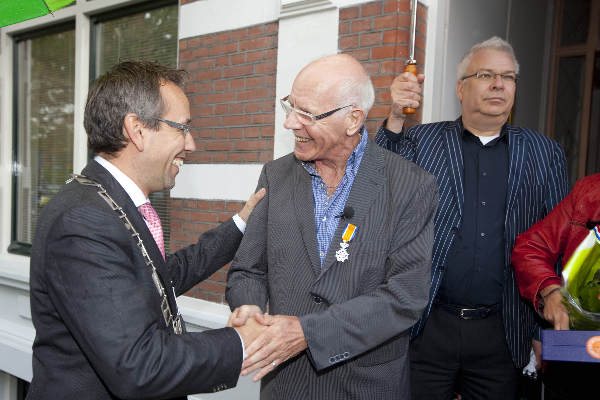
269	340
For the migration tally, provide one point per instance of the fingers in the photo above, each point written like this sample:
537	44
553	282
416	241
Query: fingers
240	315
251	203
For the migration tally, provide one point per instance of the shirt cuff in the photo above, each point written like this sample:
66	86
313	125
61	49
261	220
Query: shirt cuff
243	347
390	135
239	222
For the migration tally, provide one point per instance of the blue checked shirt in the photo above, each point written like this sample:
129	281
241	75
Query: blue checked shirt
328	209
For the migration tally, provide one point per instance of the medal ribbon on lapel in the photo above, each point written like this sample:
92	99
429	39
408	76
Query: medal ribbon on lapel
342	254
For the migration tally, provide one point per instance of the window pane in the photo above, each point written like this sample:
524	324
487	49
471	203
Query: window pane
567	122
45	78
151	36
575	22
593	162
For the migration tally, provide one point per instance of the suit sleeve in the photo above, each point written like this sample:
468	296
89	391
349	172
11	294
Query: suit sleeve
364	322
247	281
403	143
213	250
106	298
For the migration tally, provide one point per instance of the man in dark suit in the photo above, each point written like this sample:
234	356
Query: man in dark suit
102	292
340	249
495	180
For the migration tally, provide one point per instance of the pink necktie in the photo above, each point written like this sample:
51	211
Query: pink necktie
153	221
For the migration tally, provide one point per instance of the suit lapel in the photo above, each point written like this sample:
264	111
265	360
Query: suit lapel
99	174
517	156
452	135
367	185
305	215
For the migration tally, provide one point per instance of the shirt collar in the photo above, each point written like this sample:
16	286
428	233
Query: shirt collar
133	190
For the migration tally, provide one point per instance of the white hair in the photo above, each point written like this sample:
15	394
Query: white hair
493	43
358	92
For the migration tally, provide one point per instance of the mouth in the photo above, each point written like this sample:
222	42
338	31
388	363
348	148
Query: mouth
495	99
178	162
300	139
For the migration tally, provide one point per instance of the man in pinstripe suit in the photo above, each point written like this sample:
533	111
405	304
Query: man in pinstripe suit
495	181
340	247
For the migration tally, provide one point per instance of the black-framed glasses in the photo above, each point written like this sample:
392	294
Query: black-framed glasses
304	117
185	128
490	76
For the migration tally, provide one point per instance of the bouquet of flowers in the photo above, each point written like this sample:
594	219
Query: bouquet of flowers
581	289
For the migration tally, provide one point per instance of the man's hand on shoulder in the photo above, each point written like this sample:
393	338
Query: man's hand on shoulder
251	203
405	91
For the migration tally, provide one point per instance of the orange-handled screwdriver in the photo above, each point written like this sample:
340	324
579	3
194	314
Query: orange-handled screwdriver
411	63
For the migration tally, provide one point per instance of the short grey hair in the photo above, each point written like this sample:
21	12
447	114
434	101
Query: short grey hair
357	92
493	43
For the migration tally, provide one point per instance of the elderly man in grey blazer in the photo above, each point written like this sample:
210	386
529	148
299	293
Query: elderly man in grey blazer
339	250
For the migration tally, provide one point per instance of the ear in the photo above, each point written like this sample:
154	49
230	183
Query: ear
132	129
459	89
354	121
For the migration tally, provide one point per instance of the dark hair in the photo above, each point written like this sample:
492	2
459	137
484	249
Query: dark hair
129	87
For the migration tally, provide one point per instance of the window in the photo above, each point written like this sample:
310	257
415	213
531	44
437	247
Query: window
43	150
142	34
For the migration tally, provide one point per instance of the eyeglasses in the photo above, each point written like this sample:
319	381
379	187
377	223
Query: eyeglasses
489	76
304	117
185	128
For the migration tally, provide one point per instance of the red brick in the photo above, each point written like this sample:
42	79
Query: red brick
265	67
255	30
220	97
207	75
273	27
360	54
265	156
180	214
237	120
221	134
239	34
256	43
348	13
176	203
240	70
219	145
234	206
201	52
186	55
263	118
253	82
370	39
344	28
254	56
421	12
236	133
205	133
223	37
348	42
236	108
225	216
213	287
218	157
235	157
372	68
227	48
379	112
267	131
203	216
361	25
396	5
217	205
252	132
393	67
222	61
250	157
253	94
383	81
270	54
183	44
238	59
369	9
401	35
252	145
221	109
194	42
236	84
383	52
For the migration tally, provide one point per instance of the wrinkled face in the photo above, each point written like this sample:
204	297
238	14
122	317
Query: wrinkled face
493	99
321	140
168	146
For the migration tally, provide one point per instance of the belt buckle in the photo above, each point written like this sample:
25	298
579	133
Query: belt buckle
462	313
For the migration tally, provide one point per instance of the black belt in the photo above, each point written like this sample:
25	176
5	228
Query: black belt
463	312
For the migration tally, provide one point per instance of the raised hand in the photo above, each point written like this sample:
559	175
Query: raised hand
405	91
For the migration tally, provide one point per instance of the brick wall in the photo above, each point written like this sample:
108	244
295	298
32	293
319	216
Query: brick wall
378	33
232	99
189	219
232	93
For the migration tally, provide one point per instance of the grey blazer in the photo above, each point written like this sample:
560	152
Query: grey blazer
356	315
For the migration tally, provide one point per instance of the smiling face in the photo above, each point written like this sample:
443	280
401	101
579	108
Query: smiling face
167	147
487	103
316	90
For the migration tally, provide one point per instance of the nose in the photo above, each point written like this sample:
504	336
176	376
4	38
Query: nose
498	83
190	143
292	122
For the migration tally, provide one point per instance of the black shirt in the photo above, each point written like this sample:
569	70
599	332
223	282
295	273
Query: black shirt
475	265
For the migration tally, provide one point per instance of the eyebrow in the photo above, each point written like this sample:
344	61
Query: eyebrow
299	108
503	72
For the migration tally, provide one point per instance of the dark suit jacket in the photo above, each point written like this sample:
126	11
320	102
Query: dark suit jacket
355	314
537	181
100	333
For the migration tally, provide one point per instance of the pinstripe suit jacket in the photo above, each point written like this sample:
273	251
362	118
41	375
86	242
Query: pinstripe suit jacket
537	181
356	314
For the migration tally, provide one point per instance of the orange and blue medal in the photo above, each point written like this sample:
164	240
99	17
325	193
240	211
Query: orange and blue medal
342	254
